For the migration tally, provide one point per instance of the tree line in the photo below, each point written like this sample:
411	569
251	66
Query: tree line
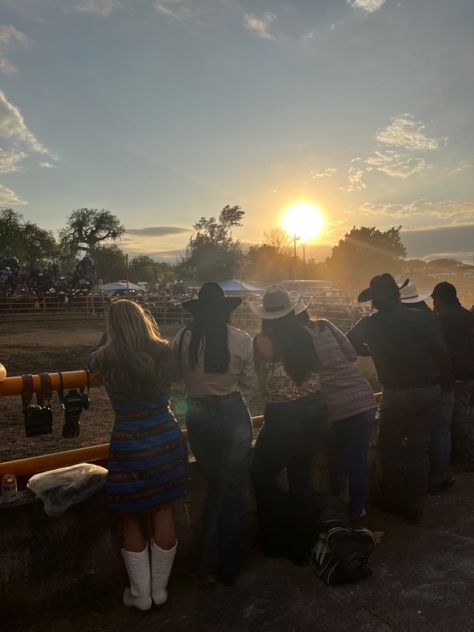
212	252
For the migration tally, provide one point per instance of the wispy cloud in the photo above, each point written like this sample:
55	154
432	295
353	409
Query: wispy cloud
325	173
355	177
175	9
451	212
9	197
405	131
260	24
464	165
99	7
158	231
395	164
10	159
47	165
13	126
368	6
9	35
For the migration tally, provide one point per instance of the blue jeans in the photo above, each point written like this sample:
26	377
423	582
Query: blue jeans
288	439
348	450
220	436
440	449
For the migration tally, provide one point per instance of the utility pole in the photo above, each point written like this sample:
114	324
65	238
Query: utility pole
295	239
126	278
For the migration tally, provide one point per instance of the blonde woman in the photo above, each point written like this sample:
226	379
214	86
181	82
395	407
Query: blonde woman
147	458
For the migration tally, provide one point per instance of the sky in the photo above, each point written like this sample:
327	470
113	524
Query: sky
163	111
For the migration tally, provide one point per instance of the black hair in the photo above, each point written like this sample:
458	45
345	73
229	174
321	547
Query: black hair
209	333
293	345
387	303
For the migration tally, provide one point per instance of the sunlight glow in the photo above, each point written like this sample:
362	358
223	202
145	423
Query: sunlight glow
304	220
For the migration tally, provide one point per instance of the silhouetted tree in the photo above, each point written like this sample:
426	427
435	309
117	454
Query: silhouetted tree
86	228
24	239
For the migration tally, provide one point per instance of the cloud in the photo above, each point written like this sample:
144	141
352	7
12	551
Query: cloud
369	6
448	212
260	25
13	126
99	7
10	159
325	173
175	9
9	197
433	243
464	165
355	177
396	164
405	131
9	35
158	231
47	165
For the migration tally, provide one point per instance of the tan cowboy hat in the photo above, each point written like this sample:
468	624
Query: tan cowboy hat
409	294
277	303
302	303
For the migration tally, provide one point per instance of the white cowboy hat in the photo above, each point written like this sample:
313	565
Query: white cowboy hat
302	303
409	294
277	303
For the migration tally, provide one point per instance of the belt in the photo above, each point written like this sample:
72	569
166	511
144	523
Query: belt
212	398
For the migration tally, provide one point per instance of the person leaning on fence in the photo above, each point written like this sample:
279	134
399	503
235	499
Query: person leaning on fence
295	418
147	464
458	328
215	360
412	362
351	411
440	448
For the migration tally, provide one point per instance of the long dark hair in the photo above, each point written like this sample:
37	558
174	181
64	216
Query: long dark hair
293	345
209	334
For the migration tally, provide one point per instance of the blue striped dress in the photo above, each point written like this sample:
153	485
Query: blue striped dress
147	457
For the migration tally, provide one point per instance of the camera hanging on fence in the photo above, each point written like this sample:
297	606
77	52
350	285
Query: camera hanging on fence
73	403
38	417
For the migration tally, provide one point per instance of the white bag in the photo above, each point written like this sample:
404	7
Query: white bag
66	486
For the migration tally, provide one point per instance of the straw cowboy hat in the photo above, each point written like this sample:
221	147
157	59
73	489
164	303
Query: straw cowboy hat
302	303
276	303
409	294
211	297
381	286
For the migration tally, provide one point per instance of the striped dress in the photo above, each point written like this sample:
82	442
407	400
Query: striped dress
147	465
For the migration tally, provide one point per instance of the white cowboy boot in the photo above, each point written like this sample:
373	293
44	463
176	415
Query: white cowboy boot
161	565
138	570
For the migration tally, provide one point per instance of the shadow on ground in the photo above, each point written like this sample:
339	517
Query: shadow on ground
423	582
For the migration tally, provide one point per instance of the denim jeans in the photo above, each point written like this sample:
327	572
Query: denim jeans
440	450
348	443
220	436
406	423
463	424
288	439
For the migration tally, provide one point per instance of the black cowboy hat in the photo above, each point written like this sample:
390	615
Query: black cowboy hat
211	296
381	286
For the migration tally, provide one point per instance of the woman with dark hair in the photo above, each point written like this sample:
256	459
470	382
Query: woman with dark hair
294	424
215	359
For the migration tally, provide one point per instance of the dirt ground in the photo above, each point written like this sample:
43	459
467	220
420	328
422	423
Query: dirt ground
34	347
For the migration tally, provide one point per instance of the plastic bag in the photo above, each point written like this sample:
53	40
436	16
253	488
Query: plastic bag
59	489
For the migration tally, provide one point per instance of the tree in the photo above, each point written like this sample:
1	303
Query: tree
24	239
212	253
87	228
144	268
363	253
110	262
278	239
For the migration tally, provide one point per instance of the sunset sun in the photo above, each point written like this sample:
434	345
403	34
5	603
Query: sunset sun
304	220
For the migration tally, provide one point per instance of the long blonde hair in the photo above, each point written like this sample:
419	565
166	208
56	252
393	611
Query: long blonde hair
135	361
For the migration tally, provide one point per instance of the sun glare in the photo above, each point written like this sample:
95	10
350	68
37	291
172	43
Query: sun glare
303	220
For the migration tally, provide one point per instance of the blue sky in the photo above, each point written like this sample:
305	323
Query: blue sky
166	110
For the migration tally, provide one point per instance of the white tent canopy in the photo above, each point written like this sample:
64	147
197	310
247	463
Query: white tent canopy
117	286
233	285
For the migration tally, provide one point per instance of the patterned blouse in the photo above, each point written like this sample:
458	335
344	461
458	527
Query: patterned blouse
278	387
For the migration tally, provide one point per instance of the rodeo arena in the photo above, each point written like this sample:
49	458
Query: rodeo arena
311	468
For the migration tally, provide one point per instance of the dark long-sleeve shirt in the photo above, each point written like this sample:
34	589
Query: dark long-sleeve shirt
458	329
407	348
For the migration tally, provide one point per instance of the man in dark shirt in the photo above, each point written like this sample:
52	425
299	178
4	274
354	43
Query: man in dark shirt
412	362
458	329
